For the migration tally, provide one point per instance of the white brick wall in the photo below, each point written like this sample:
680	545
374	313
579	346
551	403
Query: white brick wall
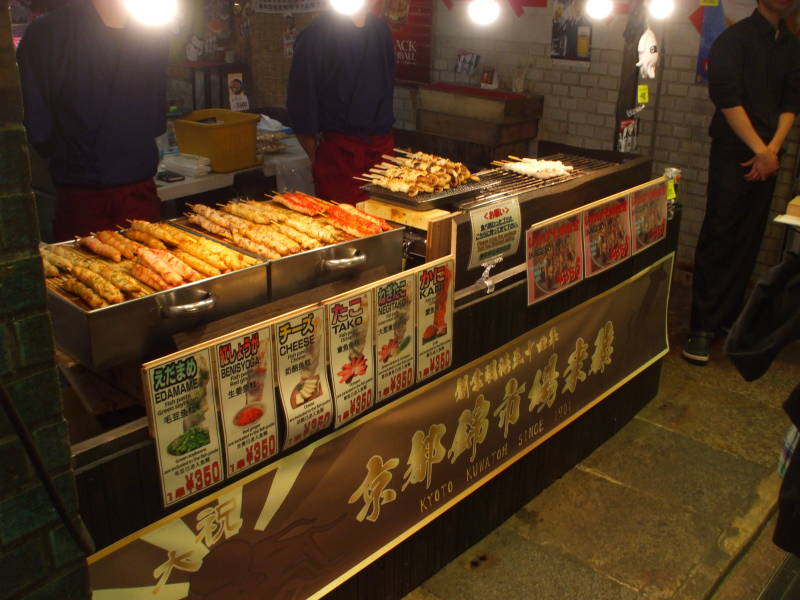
580	98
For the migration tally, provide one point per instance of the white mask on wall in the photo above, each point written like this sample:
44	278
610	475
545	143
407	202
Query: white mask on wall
648	55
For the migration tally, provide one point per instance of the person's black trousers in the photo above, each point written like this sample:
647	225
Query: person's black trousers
733	227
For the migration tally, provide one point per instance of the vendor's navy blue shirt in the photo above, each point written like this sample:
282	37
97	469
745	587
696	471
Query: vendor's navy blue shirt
342	78
95	96
749	67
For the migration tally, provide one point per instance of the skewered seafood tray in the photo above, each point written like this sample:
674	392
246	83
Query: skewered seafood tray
421	181
306	241
112	301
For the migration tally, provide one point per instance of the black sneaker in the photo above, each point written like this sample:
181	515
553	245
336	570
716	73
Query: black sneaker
697	348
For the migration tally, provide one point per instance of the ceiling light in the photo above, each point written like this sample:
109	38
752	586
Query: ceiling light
661	9
152	12
347	7
483	12
599	9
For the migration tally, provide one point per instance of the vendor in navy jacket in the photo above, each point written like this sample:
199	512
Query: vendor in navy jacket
340	99
94	88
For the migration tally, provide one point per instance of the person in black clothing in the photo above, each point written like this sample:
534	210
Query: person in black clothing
754	82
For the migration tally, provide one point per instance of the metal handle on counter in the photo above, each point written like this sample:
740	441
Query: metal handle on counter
343	264
193	308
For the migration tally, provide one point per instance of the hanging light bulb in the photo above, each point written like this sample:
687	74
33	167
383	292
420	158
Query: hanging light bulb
152	12
483	12
661	9
599	9
347	7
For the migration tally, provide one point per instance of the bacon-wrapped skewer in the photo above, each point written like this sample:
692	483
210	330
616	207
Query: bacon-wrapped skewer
125	246
149	277
153	261
164	233
100	248
203	254
177	265
197	264
255	247
145	238
54	257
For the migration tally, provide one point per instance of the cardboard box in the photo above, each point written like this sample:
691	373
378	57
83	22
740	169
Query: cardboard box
793	208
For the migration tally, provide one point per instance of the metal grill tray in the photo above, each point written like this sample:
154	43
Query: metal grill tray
428	201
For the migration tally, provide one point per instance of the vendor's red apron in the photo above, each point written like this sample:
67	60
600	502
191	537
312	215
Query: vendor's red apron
341	157
82	211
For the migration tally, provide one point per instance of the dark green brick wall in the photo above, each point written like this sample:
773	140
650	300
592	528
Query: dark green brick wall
38	558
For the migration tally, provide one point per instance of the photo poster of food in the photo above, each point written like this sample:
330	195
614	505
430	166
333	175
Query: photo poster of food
350	355
571	31
554	253
183	418
395	324
246	395
411	22
648	215
606	235
300	343
434	318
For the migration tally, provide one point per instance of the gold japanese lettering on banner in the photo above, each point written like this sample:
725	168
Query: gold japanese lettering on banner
454	434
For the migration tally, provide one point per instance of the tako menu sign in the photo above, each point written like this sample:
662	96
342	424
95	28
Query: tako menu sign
183	422
351	357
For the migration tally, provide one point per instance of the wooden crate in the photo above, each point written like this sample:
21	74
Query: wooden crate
469	129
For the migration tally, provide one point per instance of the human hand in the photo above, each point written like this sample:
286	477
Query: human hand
762	166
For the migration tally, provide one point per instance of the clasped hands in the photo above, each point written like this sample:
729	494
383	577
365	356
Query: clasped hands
763	165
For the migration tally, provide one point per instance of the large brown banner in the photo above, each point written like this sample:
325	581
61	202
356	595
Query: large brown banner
300	526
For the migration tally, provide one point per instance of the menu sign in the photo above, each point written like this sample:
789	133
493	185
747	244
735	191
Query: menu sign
495	231
648	216
606	235
246	395
395	323
434	319
555	257
184	424
305	395
350	342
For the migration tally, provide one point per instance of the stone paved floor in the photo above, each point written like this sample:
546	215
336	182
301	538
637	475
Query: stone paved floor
677	505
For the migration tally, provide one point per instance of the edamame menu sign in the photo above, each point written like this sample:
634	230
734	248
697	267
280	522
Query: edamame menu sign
184	424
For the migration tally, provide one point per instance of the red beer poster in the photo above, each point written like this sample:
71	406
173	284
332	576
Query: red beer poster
411	22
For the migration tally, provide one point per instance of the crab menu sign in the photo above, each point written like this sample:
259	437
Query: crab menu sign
434	319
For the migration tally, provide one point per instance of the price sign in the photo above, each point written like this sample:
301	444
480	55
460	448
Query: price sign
184	420
606	235
495	231
395	324
246	395
305	393
648	215
554	257
351	355
434	319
